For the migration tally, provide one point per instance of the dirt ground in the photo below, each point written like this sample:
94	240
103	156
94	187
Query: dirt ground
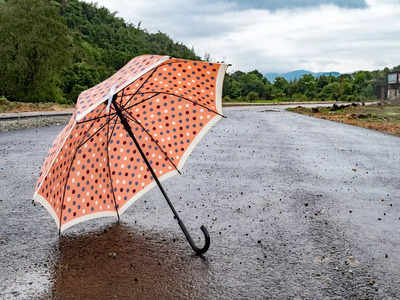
384	118
14	107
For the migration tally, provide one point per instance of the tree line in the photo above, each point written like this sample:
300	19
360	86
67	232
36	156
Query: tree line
53	50
358	86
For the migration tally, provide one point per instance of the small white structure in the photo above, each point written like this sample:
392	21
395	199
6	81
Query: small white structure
393	85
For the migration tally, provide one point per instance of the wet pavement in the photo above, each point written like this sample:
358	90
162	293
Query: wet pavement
297	208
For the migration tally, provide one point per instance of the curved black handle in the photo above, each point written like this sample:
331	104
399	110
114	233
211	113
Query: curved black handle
199	251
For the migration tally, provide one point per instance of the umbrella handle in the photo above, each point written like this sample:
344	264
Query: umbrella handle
199	251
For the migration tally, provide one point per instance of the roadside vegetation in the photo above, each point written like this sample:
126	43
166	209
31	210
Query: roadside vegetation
254	87
381	117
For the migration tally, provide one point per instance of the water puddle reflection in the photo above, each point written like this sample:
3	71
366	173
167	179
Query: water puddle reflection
122	263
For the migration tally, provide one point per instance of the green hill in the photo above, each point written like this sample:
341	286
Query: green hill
53	50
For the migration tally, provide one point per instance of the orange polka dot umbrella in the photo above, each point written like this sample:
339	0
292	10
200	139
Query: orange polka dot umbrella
128	134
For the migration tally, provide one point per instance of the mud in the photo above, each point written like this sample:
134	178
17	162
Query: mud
297	208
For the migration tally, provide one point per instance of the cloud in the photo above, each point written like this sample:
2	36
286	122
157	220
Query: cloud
325	35
274	5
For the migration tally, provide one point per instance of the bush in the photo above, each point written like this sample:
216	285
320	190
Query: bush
36	46
63	101
226	99
299	97
251	96
282	99
349	98
3	100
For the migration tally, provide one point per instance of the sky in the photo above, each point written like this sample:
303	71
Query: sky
277	35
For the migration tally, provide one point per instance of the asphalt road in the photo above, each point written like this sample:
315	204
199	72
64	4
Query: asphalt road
297	208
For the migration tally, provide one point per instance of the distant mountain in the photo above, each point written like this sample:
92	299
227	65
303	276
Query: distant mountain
290	76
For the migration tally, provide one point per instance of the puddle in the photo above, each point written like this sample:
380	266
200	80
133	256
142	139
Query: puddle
121	263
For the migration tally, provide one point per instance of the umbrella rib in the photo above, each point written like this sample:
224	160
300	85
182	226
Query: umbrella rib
137	91
66	180
153	71
97	118
195	103
109	169
101	127
153	139
112	131
184	98
144	100
115	96
151	75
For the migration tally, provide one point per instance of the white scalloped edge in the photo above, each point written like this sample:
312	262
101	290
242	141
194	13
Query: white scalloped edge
56	155
39	199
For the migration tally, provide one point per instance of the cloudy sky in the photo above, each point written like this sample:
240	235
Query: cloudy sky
277	35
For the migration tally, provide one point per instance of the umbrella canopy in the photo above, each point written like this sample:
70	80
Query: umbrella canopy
97	168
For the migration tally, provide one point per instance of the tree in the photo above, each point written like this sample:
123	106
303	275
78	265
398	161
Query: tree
268	89
396	69
253	83
322	81
36	46
347	88
280	87
257	73
79	77
368	92
330	92
236	91
251	96
307	86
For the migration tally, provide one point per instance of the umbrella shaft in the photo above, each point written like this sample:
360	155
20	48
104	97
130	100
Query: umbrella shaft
128	129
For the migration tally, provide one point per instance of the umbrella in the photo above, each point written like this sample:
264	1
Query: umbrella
128	134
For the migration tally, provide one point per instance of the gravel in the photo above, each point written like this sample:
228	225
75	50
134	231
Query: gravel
22	123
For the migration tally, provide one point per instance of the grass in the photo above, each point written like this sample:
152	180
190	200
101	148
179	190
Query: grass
266	101
281	100
384	118
14	106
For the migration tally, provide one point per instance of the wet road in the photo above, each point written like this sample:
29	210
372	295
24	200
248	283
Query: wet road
297	208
